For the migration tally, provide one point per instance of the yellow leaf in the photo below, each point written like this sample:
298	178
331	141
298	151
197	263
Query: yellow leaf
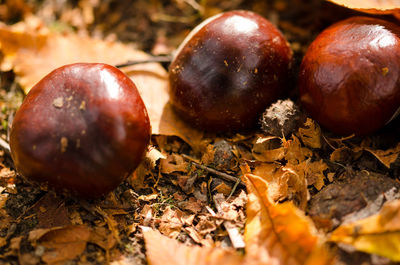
161	250
371	6
378	234
278	233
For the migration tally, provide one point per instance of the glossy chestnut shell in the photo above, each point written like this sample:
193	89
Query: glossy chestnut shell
82	129
228	70
349	79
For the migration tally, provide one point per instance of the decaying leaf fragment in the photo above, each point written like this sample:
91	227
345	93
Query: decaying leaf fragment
279	233
378	234
371	6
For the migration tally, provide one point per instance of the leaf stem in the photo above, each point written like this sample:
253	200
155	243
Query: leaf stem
152	59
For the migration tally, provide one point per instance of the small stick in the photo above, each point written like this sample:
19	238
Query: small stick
5	146
153	59
222	175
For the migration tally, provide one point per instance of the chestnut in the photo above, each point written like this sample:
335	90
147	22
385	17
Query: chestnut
228	70
349	78
81	129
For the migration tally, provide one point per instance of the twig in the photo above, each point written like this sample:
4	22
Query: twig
5	146
153	59
234	188
222	175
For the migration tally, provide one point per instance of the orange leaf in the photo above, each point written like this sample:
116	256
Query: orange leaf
62	244
279	233
371	6
162	250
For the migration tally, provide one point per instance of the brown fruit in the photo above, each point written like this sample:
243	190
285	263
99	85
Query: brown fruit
228	70
83	128
350	76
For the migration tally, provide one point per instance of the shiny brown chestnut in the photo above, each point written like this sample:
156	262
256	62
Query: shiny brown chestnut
228	70
349	78
82	129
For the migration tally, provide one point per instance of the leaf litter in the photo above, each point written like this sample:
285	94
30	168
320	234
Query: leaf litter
186	204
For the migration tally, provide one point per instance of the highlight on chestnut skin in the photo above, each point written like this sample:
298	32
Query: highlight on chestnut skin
349	78
82	129
228	70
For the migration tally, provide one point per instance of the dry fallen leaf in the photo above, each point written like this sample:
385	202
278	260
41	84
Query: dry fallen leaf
62	244
33	55
268	149
279	233
171	223
173	163
295	152
137	179
162	250
283	183
386	157
341	154
378	234
274	234
312	171
310	134
51	212
371	6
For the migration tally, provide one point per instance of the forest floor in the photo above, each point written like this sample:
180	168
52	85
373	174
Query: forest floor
185	189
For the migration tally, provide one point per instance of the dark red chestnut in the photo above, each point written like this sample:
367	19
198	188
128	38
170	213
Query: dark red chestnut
83	128
228	70
350	76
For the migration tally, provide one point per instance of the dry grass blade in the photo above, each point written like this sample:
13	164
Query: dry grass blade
371	6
